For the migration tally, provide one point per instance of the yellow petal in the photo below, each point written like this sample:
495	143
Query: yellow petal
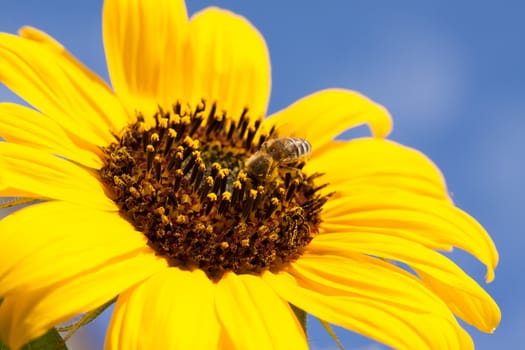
367	296
115	114
320	117
27	172
144	43
58	88
83	238
41	37
460	292
434	223
173	309
254	317
225	342
25	126
473	306
360	164
227	63
27	315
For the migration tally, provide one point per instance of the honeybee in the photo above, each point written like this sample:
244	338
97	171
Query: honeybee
284	151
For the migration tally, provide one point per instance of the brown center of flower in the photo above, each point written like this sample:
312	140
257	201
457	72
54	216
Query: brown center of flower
213	193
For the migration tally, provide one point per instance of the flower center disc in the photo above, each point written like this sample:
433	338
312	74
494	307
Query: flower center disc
185	184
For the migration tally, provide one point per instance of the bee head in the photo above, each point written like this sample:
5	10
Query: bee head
258	165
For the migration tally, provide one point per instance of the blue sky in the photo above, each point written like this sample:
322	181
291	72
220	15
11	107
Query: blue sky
451	73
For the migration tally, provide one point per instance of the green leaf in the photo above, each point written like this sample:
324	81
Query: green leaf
49	341
301	316
52	339
13	202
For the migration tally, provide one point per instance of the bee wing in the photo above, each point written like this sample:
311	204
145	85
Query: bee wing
271	131
283	129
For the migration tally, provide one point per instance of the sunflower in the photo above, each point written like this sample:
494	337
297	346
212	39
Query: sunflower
209	223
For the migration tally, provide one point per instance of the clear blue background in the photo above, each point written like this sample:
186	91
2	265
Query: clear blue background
450	72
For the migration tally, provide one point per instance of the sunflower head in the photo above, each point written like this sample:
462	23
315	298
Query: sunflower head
214	193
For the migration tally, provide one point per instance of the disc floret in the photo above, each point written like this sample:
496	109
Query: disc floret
183	183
